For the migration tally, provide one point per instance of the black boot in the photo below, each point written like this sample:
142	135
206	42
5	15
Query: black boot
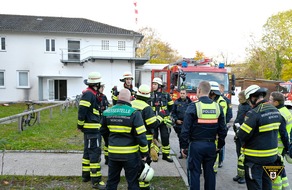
167	158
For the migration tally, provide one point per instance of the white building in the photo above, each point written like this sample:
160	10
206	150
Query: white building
47	58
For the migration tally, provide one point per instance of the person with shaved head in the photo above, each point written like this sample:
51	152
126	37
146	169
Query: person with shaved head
123	129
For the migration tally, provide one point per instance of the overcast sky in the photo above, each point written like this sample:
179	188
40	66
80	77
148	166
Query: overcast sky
209	26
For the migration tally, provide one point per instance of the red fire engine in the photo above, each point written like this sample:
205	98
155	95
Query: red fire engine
285	88
189	73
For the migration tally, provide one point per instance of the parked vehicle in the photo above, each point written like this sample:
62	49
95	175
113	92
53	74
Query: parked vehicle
189	72
285	88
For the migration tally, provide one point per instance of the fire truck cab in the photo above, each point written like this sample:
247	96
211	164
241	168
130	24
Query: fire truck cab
189	73
286	89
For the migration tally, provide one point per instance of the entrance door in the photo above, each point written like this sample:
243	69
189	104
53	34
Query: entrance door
60	87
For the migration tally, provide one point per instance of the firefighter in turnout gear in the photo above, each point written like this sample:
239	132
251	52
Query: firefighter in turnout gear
215	95
149	118
89	123
123	128
259	136
277	99
127	80
104	105
203	123
161	104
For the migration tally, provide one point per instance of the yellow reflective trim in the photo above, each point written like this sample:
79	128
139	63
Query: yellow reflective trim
84	103
150	120
140	129
94	165
80	122
95	111
85	168
92	126
245	128
123	149
269	127
149	137
261	153
114	97
144	149
85	161
119	128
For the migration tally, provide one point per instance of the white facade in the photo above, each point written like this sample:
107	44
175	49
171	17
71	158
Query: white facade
49	78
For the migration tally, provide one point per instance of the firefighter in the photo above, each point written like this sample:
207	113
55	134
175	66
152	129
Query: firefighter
149	118
216	96
243	108
104	106
277	99
124	129
178	112
203	122
89	124
161	104
127	83
259	135
229	113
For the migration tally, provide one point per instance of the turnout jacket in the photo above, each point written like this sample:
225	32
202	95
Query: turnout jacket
123	128
161	103
204	121
89	111
115	93
148	115
259	133
179	108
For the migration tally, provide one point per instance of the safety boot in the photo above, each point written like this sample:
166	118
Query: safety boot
99	185
167	158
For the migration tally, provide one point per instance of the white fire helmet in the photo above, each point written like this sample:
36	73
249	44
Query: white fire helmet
128	74
254	89
157	80
93	78
147	174
144	91
215	87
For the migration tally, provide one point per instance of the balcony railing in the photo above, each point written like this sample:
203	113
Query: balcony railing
94	52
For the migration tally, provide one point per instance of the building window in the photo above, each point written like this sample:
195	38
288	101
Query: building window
2	84
50	45
121	45
3	44
23	79
105	45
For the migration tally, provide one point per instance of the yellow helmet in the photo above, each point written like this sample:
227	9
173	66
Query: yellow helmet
93	78
144	91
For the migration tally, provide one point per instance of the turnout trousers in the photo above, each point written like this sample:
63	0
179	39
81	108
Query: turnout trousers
91	158
256	177
201	153
131	167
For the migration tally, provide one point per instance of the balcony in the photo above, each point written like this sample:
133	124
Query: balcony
94	52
